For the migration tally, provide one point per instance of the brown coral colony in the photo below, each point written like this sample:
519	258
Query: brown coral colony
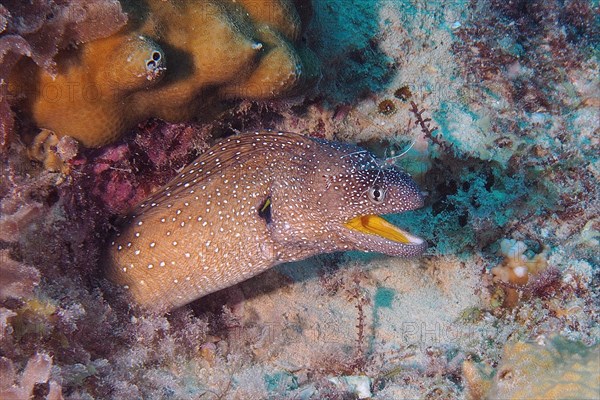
176	62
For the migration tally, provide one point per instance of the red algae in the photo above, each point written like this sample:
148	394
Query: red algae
120	176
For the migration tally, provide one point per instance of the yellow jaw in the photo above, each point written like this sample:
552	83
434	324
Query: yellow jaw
375	225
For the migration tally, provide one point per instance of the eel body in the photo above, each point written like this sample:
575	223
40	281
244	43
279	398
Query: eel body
253	201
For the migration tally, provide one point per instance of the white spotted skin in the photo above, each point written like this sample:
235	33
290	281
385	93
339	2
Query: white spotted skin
203	232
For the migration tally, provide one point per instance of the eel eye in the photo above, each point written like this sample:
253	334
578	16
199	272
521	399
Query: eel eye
376	194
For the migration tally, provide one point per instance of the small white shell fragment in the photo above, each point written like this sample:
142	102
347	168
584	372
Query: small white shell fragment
357	384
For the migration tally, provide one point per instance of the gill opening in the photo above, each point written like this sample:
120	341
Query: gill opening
264	211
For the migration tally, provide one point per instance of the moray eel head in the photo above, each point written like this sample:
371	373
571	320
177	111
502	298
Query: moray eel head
392	191
341	203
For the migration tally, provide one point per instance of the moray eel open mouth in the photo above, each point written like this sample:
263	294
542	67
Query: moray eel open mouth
379	227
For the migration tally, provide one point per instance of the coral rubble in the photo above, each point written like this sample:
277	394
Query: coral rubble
175	61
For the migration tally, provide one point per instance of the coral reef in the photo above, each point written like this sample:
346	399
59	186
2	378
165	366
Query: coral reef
512	87
553	369
175	61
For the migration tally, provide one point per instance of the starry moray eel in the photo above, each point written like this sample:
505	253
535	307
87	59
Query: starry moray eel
253	201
